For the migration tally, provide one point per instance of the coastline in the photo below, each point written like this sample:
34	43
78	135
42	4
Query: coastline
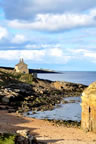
21	93
45	131
24	93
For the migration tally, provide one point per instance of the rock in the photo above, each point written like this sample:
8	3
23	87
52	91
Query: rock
41	92
23	133
24	137
88	121
21	140
11	110
57	85
67	86
5	99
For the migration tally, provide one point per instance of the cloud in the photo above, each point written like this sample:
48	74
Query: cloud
28	9
3	32
42	46
57	22
84	54
19	38
26	54
91	54
47	56
32	46
79	51
57	52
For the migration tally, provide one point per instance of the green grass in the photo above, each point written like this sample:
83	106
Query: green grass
7	139
6	76
28	78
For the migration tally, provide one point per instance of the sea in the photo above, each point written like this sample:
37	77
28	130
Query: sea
71	110
82	77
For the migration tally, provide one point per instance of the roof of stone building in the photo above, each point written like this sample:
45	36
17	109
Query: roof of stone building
21	62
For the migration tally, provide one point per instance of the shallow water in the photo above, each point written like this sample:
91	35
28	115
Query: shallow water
68	111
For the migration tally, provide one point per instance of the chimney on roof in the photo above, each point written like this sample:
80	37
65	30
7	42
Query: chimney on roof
21	60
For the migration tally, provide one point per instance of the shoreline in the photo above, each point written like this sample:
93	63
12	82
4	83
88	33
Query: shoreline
45	131
49	93
61	113
23	92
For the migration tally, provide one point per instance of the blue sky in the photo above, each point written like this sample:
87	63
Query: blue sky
51	34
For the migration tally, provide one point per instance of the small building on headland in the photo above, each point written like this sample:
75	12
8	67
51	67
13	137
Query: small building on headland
88	116
21	67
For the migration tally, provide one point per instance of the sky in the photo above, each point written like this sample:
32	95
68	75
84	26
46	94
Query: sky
49	34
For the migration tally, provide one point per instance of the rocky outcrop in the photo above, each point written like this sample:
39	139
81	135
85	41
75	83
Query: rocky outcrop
88	122
24	93
68	86
40	95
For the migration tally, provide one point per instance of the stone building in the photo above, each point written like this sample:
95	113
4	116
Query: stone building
21	67
88	120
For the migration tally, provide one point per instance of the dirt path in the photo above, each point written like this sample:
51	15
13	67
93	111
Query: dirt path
45	131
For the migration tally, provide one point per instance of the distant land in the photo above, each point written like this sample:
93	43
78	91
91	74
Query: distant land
33	70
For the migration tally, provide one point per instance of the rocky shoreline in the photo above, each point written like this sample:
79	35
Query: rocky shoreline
22	93
67	123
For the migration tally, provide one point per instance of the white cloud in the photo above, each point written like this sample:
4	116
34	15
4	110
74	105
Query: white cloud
56	22
84	53
3	32
26	54
90	54
79	51
42	46
35	55
57	52
47	56
19	38
31	46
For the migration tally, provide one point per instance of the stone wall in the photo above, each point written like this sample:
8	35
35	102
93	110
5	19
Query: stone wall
22	69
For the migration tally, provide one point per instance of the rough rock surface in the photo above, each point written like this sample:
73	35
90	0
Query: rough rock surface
88	122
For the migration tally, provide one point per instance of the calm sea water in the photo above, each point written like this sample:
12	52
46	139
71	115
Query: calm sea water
75	77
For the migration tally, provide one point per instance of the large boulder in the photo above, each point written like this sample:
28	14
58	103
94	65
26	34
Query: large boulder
88	120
